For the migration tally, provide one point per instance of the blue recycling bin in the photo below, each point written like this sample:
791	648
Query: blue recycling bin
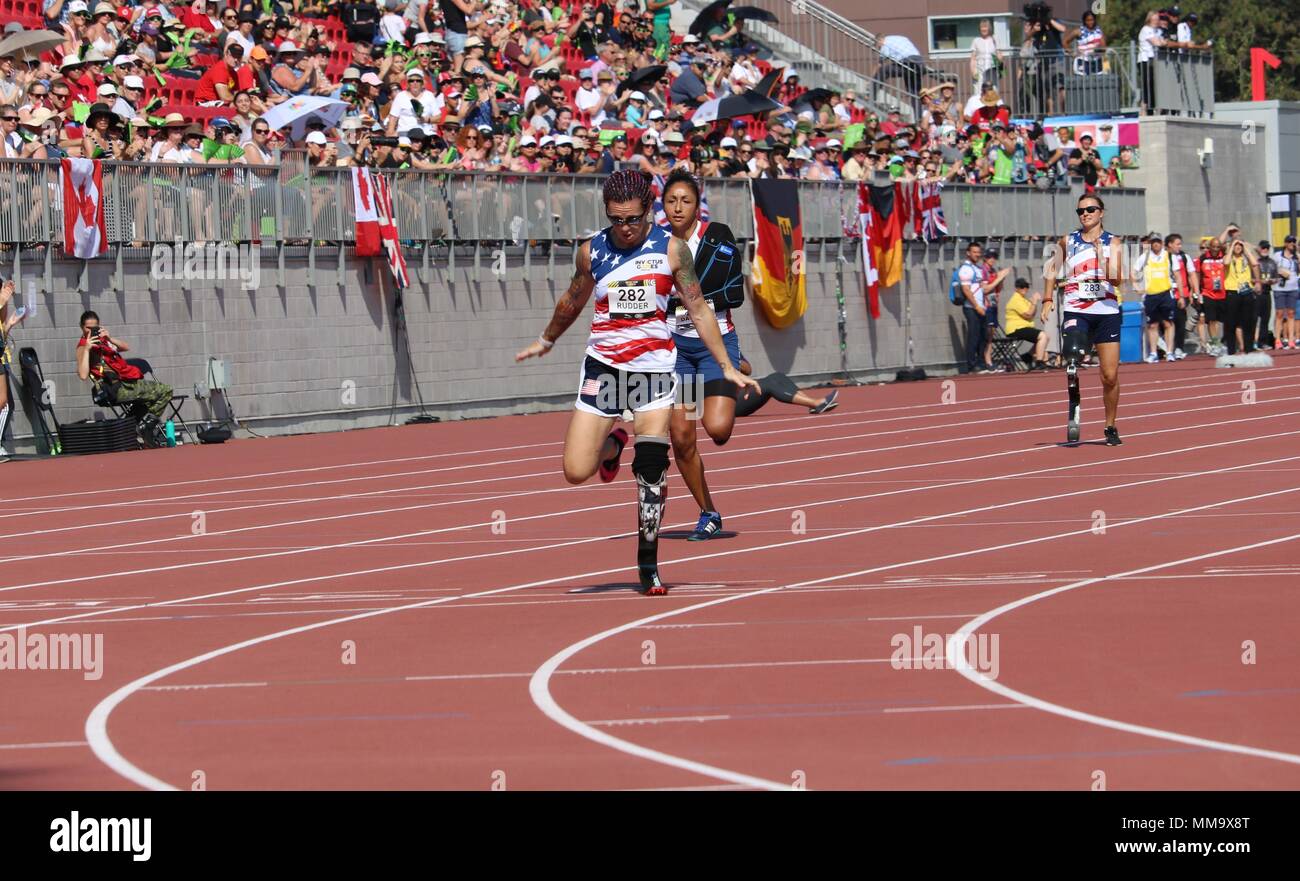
1130	334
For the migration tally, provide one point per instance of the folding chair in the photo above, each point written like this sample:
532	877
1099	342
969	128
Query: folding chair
134	409
1007	352
38	401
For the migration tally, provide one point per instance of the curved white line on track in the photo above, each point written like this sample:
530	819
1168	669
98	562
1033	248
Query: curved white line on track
956	651
101	744
539	689
539	685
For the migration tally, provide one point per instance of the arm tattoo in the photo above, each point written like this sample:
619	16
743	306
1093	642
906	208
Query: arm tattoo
572	301
687	282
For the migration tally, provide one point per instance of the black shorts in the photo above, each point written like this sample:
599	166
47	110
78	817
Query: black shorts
1212	309
1159	307
1028	334
608	391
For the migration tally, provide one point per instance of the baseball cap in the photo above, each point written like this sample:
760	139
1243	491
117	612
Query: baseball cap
727	142
350	73
370	79
107	89
415	74
637	96
656	114
528	141
287	47
585	74
316	138
1022	283
1265	243
123	60
546	141
834	144
132	82
258	54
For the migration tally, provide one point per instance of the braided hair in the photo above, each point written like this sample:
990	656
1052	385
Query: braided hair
628	184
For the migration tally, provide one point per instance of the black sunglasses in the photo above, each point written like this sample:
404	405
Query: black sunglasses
625	221
1088	210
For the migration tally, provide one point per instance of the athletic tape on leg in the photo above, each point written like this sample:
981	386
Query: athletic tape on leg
4	420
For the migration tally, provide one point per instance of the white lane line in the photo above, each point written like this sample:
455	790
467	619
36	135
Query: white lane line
549	515
539	685
655	720
954	709
120	499
957	646
53	744
188	536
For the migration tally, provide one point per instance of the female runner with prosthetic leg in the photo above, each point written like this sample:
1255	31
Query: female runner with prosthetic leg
1092	265
631	266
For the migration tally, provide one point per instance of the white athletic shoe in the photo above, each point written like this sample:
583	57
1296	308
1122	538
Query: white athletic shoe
1179	355
1151	358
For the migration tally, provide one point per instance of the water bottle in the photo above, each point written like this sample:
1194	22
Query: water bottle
170	429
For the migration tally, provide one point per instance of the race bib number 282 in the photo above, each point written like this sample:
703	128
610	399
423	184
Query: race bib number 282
632	299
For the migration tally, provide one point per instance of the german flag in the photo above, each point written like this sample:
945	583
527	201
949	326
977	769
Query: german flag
780	285
887	234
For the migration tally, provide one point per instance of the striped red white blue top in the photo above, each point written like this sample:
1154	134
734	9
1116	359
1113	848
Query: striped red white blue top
629	329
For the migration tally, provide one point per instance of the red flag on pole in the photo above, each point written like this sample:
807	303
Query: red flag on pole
363	197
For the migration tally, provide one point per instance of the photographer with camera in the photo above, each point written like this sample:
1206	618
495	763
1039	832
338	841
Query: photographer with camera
100	361
1044	44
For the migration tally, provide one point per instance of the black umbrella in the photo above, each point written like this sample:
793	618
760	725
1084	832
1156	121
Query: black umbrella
770	83
731	106
708	16
812	95
642	76
753	13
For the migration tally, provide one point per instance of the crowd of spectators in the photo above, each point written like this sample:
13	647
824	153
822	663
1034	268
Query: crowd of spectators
504	85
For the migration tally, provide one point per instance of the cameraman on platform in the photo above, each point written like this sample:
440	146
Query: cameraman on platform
1043	35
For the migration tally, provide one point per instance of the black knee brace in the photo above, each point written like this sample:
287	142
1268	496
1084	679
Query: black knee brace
650	463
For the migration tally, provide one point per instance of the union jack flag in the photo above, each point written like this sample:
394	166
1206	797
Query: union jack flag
928	211
388	231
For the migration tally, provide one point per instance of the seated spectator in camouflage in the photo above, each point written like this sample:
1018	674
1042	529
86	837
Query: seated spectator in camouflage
100	361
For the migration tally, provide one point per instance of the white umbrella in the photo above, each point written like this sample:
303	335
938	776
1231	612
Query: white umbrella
731	106
28	45
295	112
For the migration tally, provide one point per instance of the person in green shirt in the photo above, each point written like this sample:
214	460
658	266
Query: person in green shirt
663	34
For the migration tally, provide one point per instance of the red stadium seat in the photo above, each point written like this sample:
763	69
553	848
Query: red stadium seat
755	129
857	115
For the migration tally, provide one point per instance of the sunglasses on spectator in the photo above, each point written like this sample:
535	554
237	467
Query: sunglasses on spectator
1086	210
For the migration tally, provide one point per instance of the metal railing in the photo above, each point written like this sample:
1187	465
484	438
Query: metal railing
1037	85
1183	82
292	203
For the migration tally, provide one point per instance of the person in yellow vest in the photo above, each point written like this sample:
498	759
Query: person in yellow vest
1153	274
1022	313
1241	277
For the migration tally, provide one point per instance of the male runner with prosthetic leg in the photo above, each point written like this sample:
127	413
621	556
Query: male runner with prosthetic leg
1092	264
631	267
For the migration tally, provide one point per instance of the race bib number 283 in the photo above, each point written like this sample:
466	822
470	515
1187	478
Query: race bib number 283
632	299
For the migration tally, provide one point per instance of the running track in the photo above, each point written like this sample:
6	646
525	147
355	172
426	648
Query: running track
520	658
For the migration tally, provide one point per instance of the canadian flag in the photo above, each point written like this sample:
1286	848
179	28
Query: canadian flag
85	233
363	197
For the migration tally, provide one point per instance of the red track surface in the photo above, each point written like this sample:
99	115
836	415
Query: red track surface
520	657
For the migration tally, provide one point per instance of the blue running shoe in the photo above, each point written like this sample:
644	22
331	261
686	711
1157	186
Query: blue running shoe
710	525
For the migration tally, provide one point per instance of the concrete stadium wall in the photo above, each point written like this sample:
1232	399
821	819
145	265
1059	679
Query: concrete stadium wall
1184	197
318	357
1280	135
